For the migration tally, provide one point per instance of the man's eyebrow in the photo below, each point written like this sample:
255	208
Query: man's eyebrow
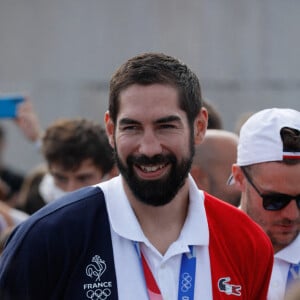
88	174
167	119
128	121
57	174
172	118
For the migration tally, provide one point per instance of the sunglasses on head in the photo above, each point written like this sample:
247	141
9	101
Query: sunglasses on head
273	201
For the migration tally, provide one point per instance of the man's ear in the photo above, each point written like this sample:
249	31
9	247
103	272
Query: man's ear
238	176
110	129
200	125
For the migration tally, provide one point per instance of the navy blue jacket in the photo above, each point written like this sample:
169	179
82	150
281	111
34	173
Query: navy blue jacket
65	255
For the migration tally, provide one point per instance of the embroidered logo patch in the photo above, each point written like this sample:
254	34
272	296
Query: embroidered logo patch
227	288
96	268
97	289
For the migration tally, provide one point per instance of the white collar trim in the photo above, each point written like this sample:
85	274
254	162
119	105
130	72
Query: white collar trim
124	222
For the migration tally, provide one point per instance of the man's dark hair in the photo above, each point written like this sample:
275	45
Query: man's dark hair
153	68
214	116
70	141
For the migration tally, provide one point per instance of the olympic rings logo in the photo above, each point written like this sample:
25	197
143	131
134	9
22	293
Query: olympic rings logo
186	282
98	294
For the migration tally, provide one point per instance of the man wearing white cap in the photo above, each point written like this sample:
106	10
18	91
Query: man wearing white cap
268	174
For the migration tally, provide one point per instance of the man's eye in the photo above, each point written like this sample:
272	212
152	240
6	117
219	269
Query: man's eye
167	126
85	178
60	179
129	128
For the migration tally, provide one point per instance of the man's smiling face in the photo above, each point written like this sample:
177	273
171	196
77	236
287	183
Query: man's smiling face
153	142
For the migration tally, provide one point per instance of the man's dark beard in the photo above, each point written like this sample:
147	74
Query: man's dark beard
155	192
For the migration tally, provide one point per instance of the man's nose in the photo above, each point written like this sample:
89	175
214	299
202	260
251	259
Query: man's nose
72	186
150	145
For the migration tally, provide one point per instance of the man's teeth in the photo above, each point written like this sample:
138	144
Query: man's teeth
151	168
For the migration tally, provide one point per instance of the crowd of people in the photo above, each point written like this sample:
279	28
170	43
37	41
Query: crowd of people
161	203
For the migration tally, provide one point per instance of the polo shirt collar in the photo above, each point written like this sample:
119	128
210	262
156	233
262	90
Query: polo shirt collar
291	253
124	222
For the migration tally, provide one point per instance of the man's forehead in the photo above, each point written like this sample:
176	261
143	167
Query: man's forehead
139	94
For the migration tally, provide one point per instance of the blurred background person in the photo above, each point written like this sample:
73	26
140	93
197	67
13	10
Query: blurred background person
30	199
214	117
10	179
28	122
76	152
9	218
267	173
212	164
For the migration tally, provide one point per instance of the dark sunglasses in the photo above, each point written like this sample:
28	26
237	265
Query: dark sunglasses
274	201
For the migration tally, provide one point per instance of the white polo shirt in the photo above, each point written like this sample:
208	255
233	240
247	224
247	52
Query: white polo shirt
165	268
282	260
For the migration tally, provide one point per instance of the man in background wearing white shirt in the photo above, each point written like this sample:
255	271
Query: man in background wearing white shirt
268	174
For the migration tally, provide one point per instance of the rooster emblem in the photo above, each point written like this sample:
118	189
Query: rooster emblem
96	268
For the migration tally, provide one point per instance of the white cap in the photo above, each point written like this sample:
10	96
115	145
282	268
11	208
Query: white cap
260	139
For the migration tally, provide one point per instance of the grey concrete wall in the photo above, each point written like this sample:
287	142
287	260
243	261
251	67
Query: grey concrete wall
63	52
